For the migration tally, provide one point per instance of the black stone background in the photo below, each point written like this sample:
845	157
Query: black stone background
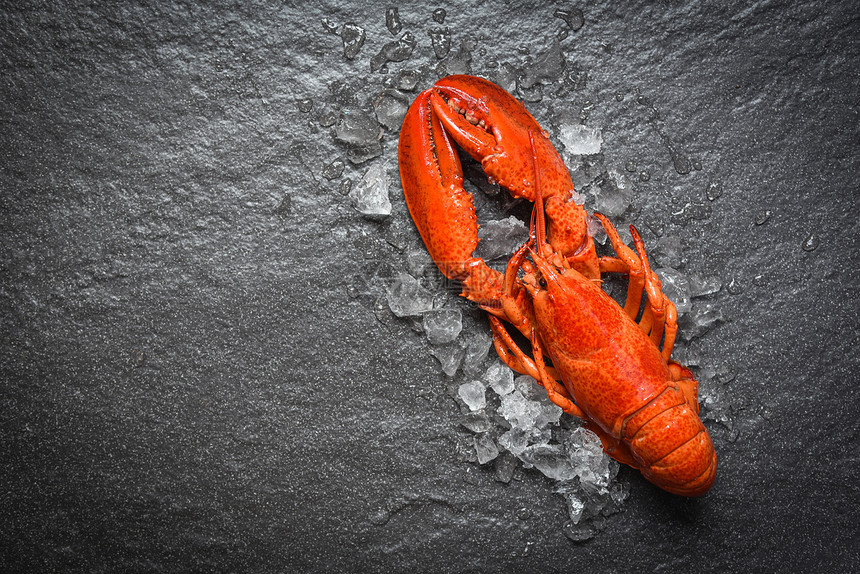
191	380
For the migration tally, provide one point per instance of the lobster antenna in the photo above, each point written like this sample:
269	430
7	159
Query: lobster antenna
538	222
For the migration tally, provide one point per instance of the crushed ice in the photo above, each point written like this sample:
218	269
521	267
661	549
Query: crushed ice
579	139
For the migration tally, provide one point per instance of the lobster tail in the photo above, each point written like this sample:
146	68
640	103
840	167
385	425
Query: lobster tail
671	445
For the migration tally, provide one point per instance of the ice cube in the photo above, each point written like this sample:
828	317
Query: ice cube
575	506
700	319
406	297
581	140
500	377
443	325
596	229
485	447
500	238
546	68
473	394
506	465
392	21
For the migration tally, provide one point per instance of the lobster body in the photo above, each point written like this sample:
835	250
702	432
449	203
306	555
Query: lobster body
628	393
607	366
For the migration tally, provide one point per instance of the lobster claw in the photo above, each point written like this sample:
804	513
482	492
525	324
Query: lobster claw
495	129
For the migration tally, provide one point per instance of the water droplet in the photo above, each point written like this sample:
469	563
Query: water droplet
305	105
763	216
439	15
759	280
333	170
811	243
734	287
330	27
715	190
697	165
644	176
345	186
642	100
573	16
619	97
328	119
630	166
392	21
524	513
379	518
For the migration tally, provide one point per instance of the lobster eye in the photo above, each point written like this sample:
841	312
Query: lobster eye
542	283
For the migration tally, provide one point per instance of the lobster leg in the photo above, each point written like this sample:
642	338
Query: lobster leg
660	314
515	358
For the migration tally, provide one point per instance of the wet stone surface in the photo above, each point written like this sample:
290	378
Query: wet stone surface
224	347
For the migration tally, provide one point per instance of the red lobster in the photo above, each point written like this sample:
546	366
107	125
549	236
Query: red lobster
606	368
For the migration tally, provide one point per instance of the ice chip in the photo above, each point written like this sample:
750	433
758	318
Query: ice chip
596	229
581	140
357	128
485	448
676	287
506	465
519	411
473	394
476	421
529	387
353	37
500	377
615	195
443	325
667	252
700	319
477	349
392	21
550	460
395	51
406	297
440	38
575	506
701	286
500	238
450	356
370	196
514	441
390	109
546	68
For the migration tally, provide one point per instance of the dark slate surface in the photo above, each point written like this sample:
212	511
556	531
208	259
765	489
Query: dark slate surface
195	378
